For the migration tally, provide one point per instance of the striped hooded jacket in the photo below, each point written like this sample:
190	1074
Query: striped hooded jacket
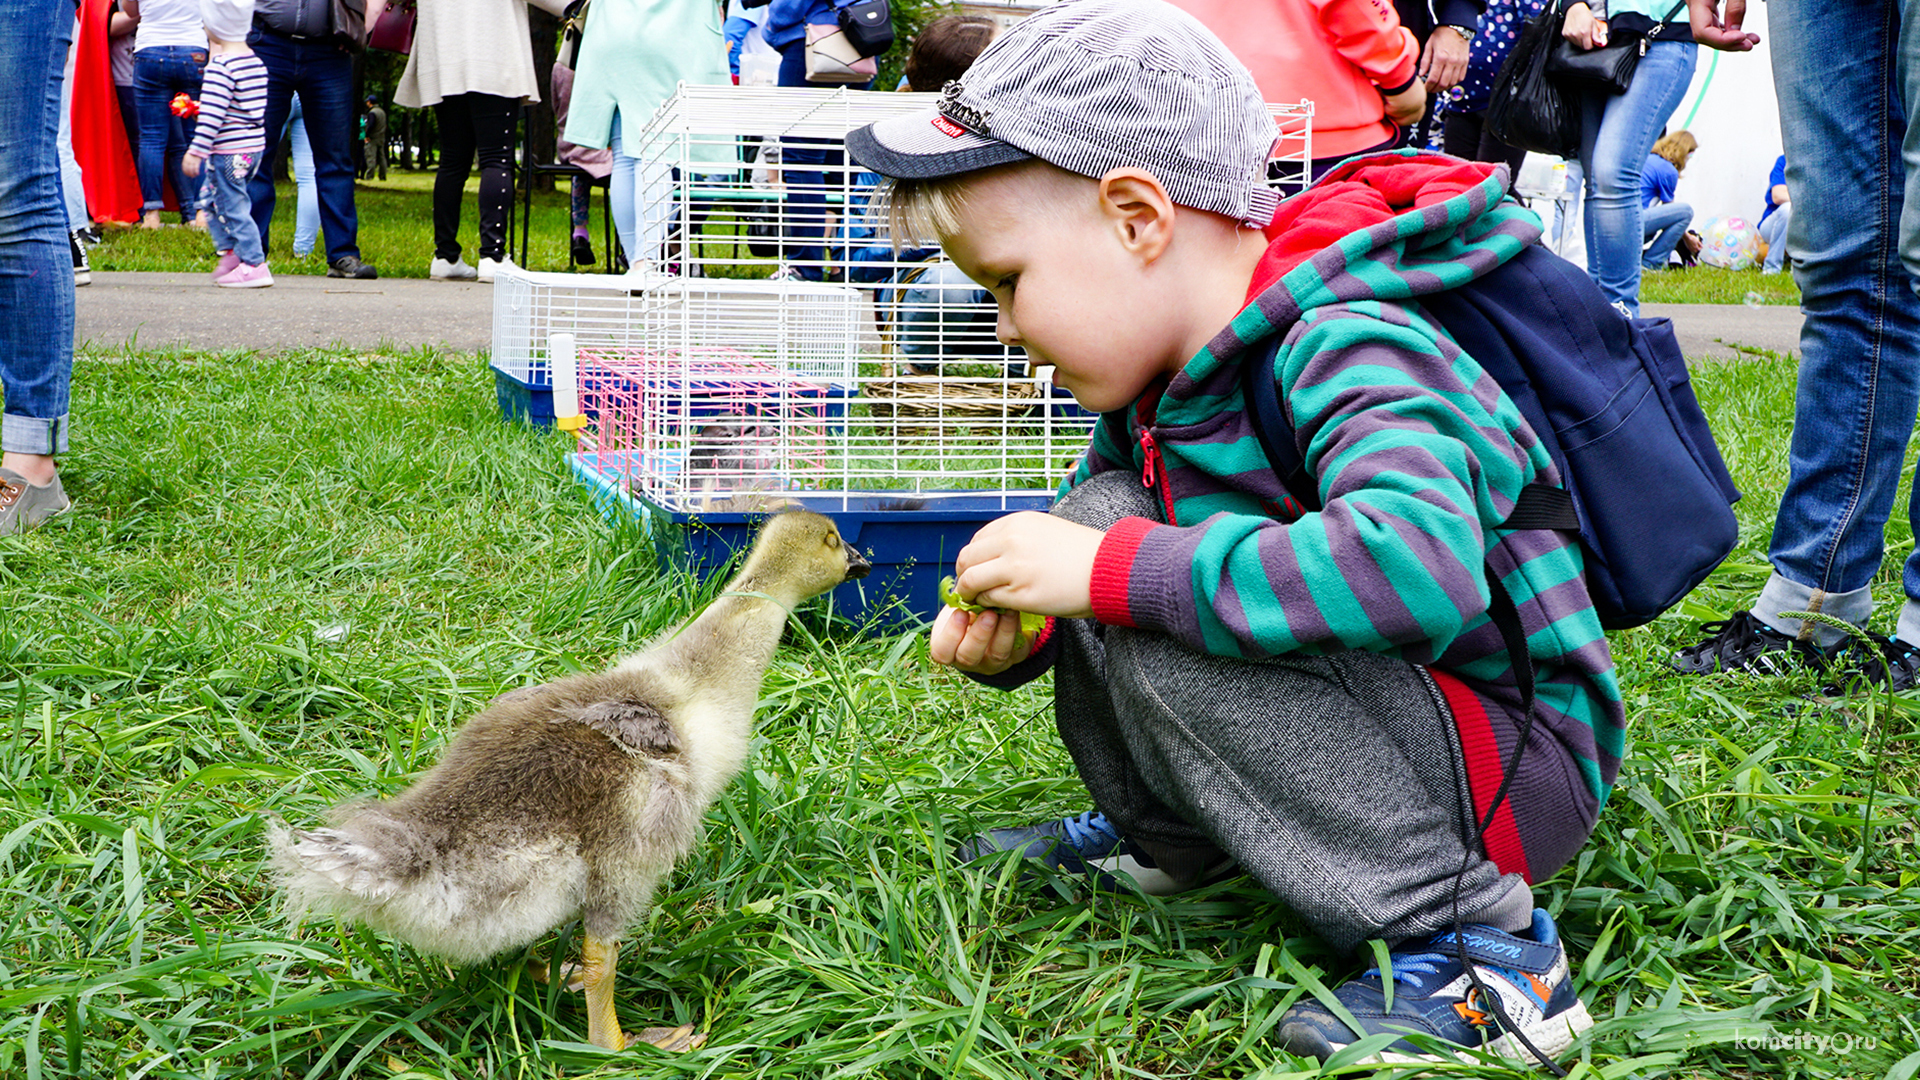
1416	451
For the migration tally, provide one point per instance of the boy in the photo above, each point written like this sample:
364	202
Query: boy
1318	697
229	138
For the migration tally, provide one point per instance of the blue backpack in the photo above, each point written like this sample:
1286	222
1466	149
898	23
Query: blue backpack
1610	397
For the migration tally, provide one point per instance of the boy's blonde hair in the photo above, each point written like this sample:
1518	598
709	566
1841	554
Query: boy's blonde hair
923	213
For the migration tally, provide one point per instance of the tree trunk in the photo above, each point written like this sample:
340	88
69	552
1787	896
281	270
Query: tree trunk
539	136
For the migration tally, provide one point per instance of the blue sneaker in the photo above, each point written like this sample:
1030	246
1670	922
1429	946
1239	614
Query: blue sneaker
1089	844
1433	995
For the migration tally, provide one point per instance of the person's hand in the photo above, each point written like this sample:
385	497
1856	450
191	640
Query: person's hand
1584	30
981	642
1710	28
1030	562
190	164
1408	106
1444	63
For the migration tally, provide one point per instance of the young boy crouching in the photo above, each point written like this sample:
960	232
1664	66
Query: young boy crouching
1319	698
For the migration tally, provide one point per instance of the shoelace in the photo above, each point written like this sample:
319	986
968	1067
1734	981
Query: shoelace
10	493
1728	637
1090	828
1409	968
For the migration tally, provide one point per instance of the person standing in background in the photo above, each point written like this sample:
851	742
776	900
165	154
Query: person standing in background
169	51
472	62
1445	30
633	55
376	140
1617	131
36	287
1847	76
1351	58
306	54
1463	126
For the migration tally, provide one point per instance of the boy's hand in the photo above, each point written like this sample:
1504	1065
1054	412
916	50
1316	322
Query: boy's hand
190	164
982	642
1030	562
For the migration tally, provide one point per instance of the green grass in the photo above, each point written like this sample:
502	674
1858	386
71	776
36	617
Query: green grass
396	234
288	578
1712	285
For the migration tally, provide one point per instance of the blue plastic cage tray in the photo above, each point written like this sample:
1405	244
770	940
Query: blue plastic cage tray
912	538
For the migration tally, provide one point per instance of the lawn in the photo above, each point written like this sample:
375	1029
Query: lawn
396	235
244	619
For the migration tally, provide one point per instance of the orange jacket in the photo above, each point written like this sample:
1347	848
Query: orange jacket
1335	53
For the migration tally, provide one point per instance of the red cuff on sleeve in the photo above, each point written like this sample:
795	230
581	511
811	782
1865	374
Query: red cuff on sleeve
1113	567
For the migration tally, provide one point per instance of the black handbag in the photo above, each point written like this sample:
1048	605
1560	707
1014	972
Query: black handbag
868	24
1526	109
1609	67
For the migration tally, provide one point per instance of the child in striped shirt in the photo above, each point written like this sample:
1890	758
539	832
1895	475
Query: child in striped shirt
229	138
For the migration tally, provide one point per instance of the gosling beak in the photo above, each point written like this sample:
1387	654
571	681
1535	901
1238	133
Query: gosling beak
857	564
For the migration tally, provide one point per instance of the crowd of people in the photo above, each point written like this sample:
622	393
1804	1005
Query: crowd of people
1100	171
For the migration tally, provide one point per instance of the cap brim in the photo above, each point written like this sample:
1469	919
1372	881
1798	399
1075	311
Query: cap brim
913	148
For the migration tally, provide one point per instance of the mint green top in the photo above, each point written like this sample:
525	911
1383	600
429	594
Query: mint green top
633	54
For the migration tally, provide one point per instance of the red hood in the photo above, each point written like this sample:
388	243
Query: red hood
1358	194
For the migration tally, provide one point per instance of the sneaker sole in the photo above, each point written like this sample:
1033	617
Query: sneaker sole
257	283
1157	882
1553	1035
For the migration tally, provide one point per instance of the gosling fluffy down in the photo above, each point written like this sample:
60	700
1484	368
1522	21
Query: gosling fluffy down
573	798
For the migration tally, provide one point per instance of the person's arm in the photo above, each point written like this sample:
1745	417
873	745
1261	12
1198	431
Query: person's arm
1712	29
1779	193
216	94
1444	62
1406	470
374	8
1371	38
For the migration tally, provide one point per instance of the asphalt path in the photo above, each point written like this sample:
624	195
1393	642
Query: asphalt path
151	311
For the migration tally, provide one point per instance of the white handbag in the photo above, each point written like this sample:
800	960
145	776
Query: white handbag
832	58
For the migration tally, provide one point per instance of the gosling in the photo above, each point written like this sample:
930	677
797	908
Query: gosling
574	798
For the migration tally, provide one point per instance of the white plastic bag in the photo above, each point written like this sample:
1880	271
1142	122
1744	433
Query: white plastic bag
759	61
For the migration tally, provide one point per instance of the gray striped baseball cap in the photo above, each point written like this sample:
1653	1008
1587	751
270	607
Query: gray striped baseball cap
1091	86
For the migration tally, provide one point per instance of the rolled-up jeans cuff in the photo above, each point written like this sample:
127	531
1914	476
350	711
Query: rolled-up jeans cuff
33	435
1780	594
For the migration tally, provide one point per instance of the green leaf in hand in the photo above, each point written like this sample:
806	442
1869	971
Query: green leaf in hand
1030	624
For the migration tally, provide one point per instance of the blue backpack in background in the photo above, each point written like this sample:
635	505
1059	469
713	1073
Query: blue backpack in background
1645	486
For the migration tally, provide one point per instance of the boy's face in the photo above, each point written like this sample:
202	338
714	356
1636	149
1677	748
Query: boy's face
1068	290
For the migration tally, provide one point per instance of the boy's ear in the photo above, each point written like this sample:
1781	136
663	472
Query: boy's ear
1137	207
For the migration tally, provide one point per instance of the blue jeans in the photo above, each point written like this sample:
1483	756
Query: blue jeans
231	220
1774	231
1845	73
641	194
802	165
159	73
36	268
1665	224
322	74
306	200
1616	132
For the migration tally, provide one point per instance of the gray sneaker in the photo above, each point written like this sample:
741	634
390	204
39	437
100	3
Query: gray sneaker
24	506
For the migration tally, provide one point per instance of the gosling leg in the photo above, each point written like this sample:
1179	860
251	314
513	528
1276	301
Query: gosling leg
598	962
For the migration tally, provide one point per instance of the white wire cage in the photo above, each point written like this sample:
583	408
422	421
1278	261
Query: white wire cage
777	348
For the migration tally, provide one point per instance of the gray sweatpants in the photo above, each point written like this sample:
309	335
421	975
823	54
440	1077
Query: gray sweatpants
1337	782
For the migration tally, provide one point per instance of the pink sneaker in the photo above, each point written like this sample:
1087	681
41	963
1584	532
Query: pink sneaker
228	260
246	276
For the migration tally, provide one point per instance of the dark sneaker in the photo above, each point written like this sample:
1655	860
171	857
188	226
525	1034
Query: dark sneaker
1433	995
583	251
1089	844
24	506
1876	661
350	266
82	271
1745	644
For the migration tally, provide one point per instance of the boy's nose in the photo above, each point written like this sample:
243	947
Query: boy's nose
1003	329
